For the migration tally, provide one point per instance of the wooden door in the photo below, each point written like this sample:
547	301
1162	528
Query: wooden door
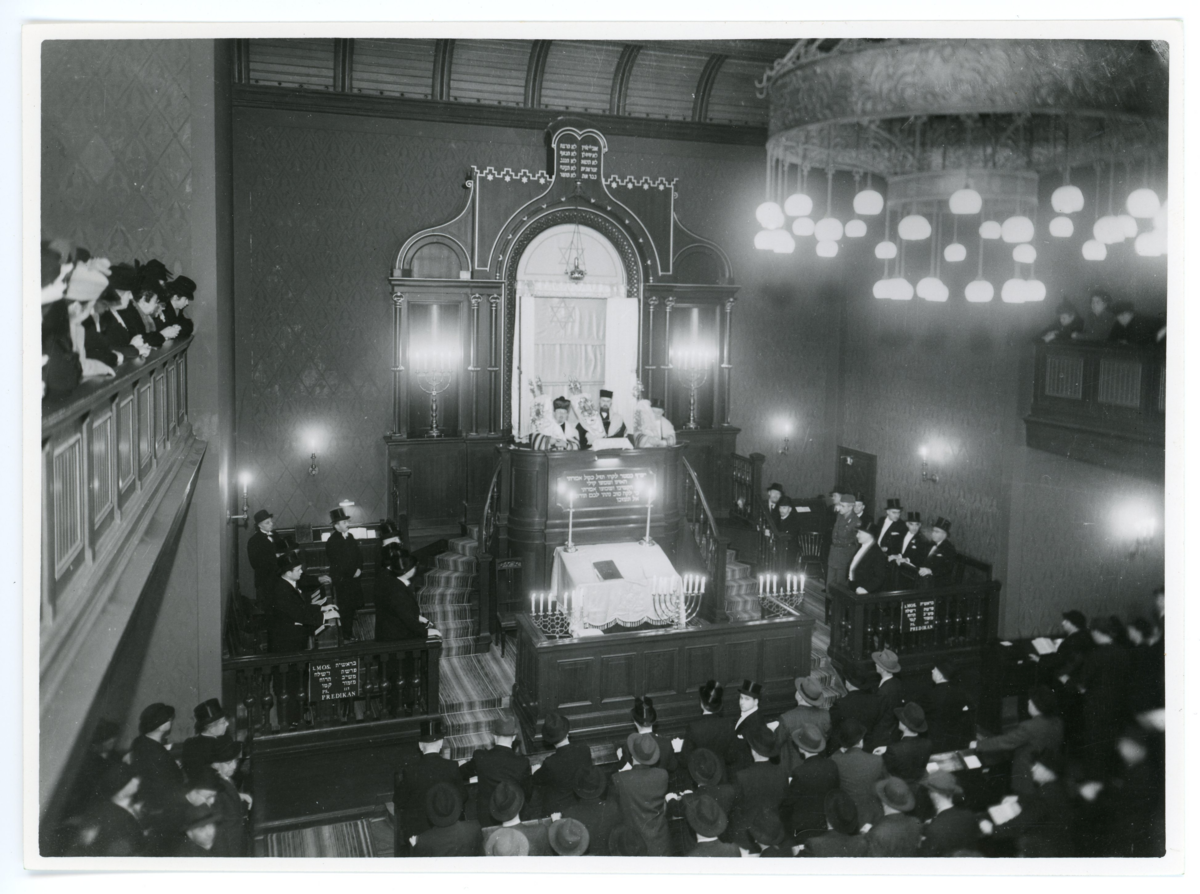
856	475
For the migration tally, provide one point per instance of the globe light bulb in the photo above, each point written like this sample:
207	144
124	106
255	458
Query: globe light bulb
1013	291
932	289
1025	254
770	215
881	289
762	240
1094	250
902	289
980	291
1142	203
914	228
782	242
829	229
1016	229
798	205
1035	290
1067	199
1109	230
965	201
856	229
990	229
1062	227
1151	245
1129	226
803	226
868	203
955	252
827	248
885	251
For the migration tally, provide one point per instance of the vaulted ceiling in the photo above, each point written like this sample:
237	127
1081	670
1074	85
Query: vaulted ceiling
707	83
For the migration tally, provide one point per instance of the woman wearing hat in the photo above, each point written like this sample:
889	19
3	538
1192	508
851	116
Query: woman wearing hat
345	567
181	291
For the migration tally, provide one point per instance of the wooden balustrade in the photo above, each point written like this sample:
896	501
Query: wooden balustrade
922	621
275	694
713	547
747	487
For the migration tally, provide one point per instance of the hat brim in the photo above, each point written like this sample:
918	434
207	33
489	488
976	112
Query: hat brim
899	712
908	804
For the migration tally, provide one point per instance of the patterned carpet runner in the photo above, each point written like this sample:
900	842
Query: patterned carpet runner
347	839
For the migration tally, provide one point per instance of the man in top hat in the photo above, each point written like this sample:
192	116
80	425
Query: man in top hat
1040	733
291	616
908	757
911	549
749	718
498	764
507	802
200	832
598	813
843	543
345	568
211	724
710	730
859	770
890	693
843	820
812	780
898	834
163	786
937	565
868	571
952	828
762	784
774	494
707	820
860	703
948	710
447	834
181	291
264	549
614	425
418	774
889	530
641	794
569	837
555	778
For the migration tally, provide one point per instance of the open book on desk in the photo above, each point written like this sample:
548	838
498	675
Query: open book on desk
1043	645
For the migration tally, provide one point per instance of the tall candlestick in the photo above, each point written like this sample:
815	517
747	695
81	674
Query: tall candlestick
801	584
647	541
570	521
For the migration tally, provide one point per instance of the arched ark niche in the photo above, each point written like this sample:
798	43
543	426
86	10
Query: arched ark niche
435	257
584	327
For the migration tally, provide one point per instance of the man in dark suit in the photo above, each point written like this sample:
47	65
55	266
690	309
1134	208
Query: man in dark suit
842	544
808	693
812	780
774	495
842	839
641	793
500	762
292	617
937	565
506	804
787	529
556	777
707	771
909	552
1044	827
890	693
599	814
859	770
1068	658
710	730
446	833
898	834
111	827
1041	733
947	710
738	756
614	426
859	703
345	568
762	784
264	549
417	776
163	785
952	828
708	821
889	531
908	757
868	572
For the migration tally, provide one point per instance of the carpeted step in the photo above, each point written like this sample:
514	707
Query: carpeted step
737	571
430	596
463	746
457	562
473	532
457	648
465	723
440	578
345	839
464	546
743	607
478	681
741	587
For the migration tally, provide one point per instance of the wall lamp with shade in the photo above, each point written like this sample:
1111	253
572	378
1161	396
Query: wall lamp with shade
932	453
1136	525
243	520
784	427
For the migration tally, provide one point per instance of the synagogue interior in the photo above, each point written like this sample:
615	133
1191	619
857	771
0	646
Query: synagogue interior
736	448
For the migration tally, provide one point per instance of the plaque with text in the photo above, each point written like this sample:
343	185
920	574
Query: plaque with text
604	488
334	679
918	615
578	157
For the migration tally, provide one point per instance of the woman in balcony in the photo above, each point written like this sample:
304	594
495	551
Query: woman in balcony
1067	326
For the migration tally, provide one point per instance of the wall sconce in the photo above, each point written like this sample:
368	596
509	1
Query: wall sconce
785	431
243	520
312	464
1137	525
927	475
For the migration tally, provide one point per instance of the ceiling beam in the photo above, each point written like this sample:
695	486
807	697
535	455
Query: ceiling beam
343	64
535	74
620	85
443	58
704	86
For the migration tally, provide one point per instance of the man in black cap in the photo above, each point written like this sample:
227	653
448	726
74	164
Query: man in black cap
600	814
937	565
749	718
614	425
708	821
762	784
889	531
868	571
710	730
843	821
811	781
908	757
555	778
416	776
843	543
345	568
497	764
1040	733
859	770
446	833
163	787
264	549
641	794
211	724
898	833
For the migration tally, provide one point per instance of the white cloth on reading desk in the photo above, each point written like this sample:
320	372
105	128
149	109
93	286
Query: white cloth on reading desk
626	600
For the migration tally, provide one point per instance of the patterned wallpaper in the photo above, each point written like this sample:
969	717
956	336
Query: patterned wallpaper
116	147
329	201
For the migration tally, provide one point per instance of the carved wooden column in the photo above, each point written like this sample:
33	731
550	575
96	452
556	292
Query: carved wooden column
666	367
649	366
726	363
399	374
473	368
496	355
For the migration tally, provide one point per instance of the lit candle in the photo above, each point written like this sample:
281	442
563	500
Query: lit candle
801	584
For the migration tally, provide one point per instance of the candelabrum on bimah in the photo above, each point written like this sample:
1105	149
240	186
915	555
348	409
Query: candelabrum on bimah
676	600
554	615
434	371
692	367
777	595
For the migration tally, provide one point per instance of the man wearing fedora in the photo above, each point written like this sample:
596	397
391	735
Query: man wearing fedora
768	832
908	757
843	543
569	837
707	771
707	820
868	571
860	703
264	549
812	780
641	794
417	775
937	565
446	833
505	842
809	693
859	770
554	780
762	784
600	814
711	729
890	693
749	718
843	821
200	832
345	568
497	764
898	834
211	723
506	804
953	828
889	530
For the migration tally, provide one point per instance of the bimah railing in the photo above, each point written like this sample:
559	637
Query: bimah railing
713	548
